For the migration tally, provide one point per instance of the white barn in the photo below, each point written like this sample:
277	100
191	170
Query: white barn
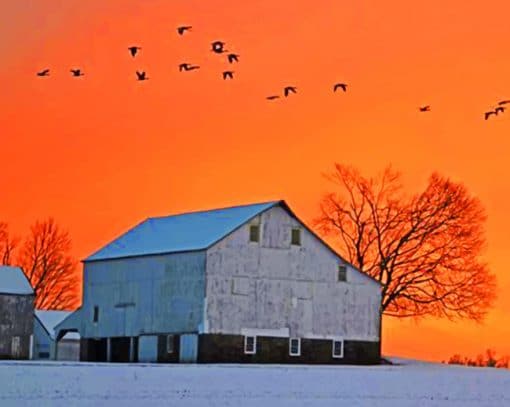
245	284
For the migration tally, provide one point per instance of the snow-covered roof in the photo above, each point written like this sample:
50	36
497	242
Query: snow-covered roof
13	281
50	319
178	233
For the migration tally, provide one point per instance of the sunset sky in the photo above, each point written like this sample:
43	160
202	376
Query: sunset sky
103	151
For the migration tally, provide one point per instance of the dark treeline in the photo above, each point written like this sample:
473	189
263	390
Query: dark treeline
489	359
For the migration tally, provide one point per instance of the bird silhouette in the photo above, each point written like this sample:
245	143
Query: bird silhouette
133	50
141	76
76	72
272	97
44	72
187	67
340	85
425	108
233	58
504	102
228	74
488	114
499	109
288	89
183	28
218	47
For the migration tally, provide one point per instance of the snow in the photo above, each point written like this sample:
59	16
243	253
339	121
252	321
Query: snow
50	319
13	281
94	384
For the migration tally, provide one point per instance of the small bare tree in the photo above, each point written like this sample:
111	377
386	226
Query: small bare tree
44	257
424	248
7	245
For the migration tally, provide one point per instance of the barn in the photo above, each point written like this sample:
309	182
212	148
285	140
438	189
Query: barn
16	313
243	284
44	346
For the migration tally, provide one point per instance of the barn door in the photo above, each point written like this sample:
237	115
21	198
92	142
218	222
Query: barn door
188	349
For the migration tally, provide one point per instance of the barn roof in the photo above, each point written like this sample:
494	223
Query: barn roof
50	319
13	281
180	233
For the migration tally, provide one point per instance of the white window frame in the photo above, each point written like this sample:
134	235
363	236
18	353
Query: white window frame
298	347
16	346
257	225
341	355
300	234
343	267
170	339
250	352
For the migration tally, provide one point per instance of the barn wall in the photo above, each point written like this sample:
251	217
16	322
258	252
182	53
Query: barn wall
216	348
42	343
143	295
16	320
275	285
68	349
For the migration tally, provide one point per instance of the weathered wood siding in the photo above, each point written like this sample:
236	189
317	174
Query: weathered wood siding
143	295
273	285
16	321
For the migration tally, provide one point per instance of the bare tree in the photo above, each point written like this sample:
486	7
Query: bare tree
424	249
7	245
44	257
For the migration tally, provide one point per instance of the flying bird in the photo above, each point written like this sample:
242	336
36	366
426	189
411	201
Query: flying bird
183	28
228	74
504	102
141	76
218	47
44	72
76	72
340	85
288	89
488	114
425	108
499	109
133	50
187	67
272	97
233	58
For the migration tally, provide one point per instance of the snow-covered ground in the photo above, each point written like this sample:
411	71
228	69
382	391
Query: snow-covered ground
409	384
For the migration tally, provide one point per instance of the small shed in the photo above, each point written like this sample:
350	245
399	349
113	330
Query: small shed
16	313
44	345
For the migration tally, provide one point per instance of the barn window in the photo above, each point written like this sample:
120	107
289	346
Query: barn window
338	348
169	344
254	233
295	237
342	273
295	347
250	345
95	317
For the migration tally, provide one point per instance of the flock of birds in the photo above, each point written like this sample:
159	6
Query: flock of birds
500	108
218	47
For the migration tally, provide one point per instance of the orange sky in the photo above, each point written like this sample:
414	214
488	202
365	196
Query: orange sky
102	152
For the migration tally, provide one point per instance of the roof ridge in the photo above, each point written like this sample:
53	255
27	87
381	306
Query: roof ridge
215	209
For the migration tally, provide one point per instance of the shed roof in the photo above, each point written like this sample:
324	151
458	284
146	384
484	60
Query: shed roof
14	281
180	233
50	319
